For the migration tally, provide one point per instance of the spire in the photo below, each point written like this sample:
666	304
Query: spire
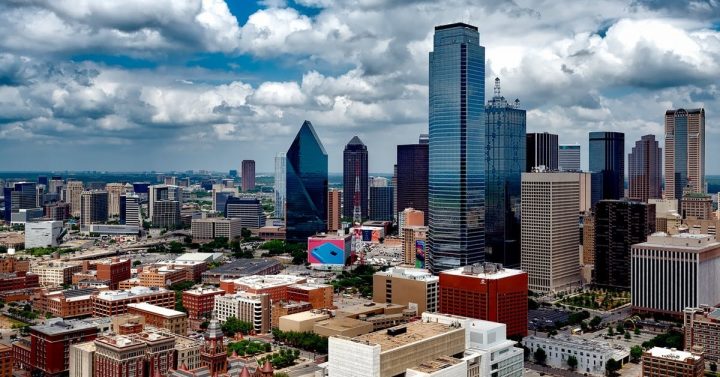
183	366
355	141
496	91
245	372
267	368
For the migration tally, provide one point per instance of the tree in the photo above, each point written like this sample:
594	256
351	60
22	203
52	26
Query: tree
540	356
611	367
713	367
610	331
233	325
137	263
636	353
620	328
572	362
627	335
204	325
595	322
637	331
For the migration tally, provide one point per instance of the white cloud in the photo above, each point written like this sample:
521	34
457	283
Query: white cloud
278	94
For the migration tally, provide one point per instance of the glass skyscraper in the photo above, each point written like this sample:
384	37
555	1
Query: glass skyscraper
542	150
412	177
607	161
306	179
456	194
569	157
684	152
505	163
355	170
279	187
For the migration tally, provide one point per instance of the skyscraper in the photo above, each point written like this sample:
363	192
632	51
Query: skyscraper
645	170
306	181
412	177
280	162
355	171
684	152
541	150
93	207
457	137
619	224
130	209
607	159
165	202
550	203
333	210
569	157
505	163
114	191
381	200
248	175
20	195
74	189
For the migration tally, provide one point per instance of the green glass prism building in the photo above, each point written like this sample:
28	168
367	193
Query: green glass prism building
456	192
306	180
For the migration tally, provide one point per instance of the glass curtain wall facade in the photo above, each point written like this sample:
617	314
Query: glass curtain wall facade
456	234
607	158
306	186
412	178
505	162
541	150
684	152
355	166
645	170
280	161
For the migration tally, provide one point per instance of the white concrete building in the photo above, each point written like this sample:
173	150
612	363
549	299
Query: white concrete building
671	273
592	355
82	359
42	234
246	307
53	274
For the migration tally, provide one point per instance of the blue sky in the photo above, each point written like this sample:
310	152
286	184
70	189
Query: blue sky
204	84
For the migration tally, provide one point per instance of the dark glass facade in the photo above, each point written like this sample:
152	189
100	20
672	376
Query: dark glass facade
607	157
307	183
456	192
541	150
505	162
21	195
355	169
412	177
381	203
619	224
645	170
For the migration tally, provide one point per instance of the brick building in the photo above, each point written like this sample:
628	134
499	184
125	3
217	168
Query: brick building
109	303
119	356
488	292
199	304
50	344
196	267
6	361
53	274
663	362
18	280
157	316
320	296
114	270
68	303
12	264
702	329
274	285
162	277
21	353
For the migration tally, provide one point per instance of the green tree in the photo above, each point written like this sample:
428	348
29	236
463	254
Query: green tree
540	356
636	353
610	331
612	366
627	335
637	331
620	328
713	367
595	322
137	263
572	362
233	325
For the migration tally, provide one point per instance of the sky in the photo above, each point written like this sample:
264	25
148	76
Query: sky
133	85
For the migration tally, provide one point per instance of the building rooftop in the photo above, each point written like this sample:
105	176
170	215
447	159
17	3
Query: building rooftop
240	295
432	366
57	326
687	241
672	353
169	262
369	307
268	281
489	271
199	256
414	332
339	324
128	293
87	346
307	316
118	341
204	291
329	236
307	286
242	267
159	310
409	273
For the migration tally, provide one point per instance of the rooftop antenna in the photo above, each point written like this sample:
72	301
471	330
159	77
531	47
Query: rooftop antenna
497	87
517	103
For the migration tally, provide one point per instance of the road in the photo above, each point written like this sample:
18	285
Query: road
304	369
552	371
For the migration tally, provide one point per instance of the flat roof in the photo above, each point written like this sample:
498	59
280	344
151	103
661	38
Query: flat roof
268	281
165	312
416	331
667	353
455	25
481	272
369	307
341	323
204	291
436	364
60	326
132	292
243	267
118	341
307	315
199	256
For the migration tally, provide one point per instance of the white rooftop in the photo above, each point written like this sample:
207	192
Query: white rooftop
671	353
268	281
489	271
410	273
134	291
165	312
682	240
199	256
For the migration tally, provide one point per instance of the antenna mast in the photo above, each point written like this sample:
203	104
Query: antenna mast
357	211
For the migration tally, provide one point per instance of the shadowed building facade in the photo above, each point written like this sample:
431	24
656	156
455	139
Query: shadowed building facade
355	171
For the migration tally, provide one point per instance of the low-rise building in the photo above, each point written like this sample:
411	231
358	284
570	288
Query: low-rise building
113	270
109	303
303	321
52	274
43	234
248	307
283	308
411	287
195	267
82	359
320	296
199	303
702	329
50	344
18	280
664	362
69	303
164	276
276	286
157	316
22	351
591	355
216	227
6	361
240	268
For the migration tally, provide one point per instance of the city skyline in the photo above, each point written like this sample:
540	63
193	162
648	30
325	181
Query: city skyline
216	79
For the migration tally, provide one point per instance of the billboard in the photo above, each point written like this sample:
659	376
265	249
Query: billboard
328	250
419	253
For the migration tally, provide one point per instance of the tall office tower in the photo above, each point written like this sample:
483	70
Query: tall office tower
164	205
505	163
457	137
333	209
248	175
607	160
114	191
42	180
232	173
381	201
684	152
279	188
394	185
541	150
20	195
619	224
412	177
569	157
220	196
549	229
93	207
130	210
306	179
645	170
55	185
74	189
355	172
